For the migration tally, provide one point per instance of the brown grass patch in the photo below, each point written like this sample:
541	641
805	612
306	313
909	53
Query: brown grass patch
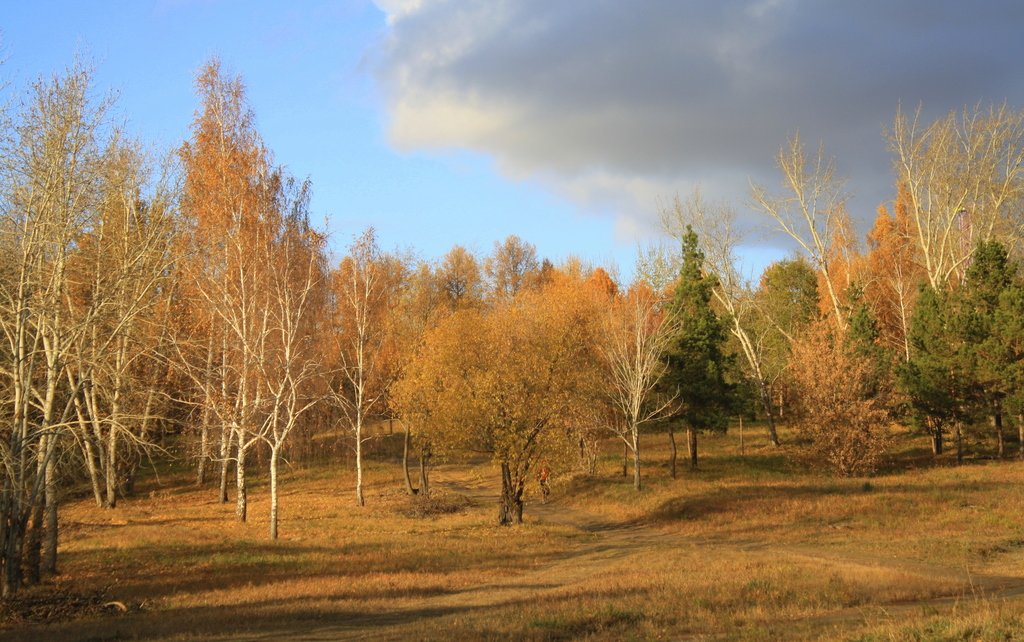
746	547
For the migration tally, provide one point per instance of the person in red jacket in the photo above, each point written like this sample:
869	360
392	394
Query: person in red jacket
542	478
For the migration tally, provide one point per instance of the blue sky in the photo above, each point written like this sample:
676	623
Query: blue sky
308	73
566	123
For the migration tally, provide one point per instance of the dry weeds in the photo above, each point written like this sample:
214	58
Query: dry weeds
747	547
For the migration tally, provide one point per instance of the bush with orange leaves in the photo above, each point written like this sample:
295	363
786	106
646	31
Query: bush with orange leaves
840	411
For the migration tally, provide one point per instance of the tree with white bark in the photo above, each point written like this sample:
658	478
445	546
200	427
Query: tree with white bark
638	332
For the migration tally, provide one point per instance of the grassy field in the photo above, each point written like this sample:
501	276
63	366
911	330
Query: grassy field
748	547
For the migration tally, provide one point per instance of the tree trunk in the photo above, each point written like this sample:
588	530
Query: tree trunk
359	466
673	451
225	460
87	452
34	539
625	460
241	505
636	460
959	443
50	542
766	403
273	493
1020	436
997	423
33	544
204	427
510	506
111	477
204	448
424	481
14	535
405	462
90	465
691	447
936	439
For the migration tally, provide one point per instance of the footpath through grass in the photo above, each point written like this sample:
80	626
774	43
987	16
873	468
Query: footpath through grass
748	547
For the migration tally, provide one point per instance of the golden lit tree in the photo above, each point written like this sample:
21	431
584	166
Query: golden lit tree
892	275
508	381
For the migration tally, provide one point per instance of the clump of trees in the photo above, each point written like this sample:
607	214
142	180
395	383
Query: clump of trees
144	296
512	380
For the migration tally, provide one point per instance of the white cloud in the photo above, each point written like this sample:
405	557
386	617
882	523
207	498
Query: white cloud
615	104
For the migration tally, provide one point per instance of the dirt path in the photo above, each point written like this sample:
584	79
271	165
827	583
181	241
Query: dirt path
603	543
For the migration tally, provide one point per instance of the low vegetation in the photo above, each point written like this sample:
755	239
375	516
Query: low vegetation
745	547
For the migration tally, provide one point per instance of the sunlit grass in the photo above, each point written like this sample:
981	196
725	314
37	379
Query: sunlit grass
748	546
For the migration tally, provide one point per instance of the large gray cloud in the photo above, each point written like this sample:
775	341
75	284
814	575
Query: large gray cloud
615	103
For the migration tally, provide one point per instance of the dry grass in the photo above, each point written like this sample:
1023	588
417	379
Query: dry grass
747	547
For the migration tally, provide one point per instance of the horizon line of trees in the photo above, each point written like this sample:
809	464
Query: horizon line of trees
144	296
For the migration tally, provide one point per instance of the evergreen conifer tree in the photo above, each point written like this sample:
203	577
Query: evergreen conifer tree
989	276
696	363
934	378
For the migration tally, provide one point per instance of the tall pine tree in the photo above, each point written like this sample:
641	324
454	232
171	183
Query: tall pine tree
1009	331
696	363
934	378
989	276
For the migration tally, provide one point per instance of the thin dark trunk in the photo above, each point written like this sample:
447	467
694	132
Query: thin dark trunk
424	481
997	422
405	462
1020	436
12	551
936	439
691	447
959	443
673	451
625	460
766	403
510	506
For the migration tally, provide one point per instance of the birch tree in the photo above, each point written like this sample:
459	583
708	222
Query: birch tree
963	175
49	172
291	367
122	270
637	335
811	210
230	194
366	294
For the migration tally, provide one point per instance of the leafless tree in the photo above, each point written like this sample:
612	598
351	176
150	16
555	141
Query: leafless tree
811	210
964	180
638	331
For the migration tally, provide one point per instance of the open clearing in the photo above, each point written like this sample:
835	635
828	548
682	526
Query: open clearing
747	547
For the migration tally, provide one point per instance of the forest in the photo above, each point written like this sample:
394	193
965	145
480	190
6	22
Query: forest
180	309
